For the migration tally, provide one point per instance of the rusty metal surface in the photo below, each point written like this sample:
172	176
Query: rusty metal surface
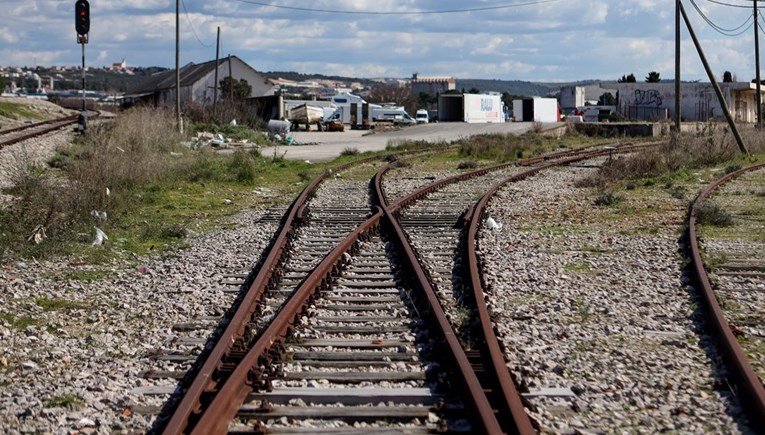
486	420
53	124
190	403
750	387
238	385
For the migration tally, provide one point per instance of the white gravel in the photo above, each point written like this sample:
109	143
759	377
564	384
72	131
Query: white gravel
594	300
93	349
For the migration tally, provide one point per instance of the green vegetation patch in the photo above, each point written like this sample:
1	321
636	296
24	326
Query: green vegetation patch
582	268
19	323
64	401
58	304
709	213
18	111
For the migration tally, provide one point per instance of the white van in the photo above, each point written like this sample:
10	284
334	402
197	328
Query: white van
421	116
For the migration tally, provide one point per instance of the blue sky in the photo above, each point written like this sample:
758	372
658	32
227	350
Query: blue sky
534	40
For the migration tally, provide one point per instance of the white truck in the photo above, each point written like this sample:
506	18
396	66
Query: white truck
354	111
396	115
421	116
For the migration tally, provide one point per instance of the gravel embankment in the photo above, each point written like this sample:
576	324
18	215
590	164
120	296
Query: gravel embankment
593	301
74	350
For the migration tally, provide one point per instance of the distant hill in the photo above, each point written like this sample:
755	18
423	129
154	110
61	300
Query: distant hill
299	77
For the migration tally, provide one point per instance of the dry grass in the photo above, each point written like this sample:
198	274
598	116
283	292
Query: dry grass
112	168
710	145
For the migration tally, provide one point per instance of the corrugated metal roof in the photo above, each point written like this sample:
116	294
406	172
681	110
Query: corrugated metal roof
189	74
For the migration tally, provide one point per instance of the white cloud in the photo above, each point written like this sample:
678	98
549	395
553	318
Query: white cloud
562	40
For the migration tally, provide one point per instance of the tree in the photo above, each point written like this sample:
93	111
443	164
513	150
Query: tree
2	83
728	77
395	94
235	90
627	79
653	77
474	90
607	99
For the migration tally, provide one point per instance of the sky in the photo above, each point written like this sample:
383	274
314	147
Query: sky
530	40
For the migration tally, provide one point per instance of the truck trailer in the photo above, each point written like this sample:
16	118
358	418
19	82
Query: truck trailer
471	108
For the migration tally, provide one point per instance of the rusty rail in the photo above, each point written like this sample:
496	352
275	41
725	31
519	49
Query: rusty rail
512	417
476	399
252	368
54	124
190	405
750	386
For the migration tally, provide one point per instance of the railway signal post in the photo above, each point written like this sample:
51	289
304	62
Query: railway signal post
82	27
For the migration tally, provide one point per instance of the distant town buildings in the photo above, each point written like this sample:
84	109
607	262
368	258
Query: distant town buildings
432	85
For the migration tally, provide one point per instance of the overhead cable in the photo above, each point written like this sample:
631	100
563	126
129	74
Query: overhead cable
737	31
442	11
192	27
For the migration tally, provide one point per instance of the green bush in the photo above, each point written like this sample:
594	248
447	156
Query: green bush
709	213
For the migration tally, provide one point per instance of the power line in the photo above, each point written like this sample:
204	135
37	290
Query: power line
728	4
192	27
444	11
721	30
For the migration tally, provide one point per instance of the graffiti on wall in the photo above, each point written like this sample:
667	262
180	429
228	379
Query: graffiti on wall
649	97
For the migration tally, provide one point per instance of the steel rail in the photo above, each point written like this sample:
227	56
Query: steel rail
750	386
54	124
206	379
254	365
38	124
476	399
512	399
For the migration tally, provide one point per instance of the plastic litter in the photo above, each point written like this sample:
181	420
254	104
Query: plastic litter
491	223
232	123
38	235
100	237
99	215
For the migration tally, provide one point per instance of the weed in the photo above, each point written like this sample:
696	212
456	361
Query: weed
63	401
57	304
19	323
241	166
469	164
349	152
732	168
710	213
608	199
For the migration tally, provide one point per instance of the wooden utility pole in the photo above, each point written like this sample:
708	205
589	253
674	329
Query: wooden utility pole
757	63
215	85
715	85
178	67
677	67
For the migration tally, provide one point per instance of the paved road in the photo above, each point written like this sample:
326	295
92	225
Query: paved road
320	146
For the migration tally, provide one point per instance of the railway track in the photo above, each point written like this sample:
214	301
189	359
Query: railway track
732	280
25	132
221	391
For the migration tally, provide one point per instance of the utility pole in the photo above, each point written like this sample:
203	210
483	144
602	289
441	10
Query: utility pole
677	67
715	85
215	85
177	67
757	63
